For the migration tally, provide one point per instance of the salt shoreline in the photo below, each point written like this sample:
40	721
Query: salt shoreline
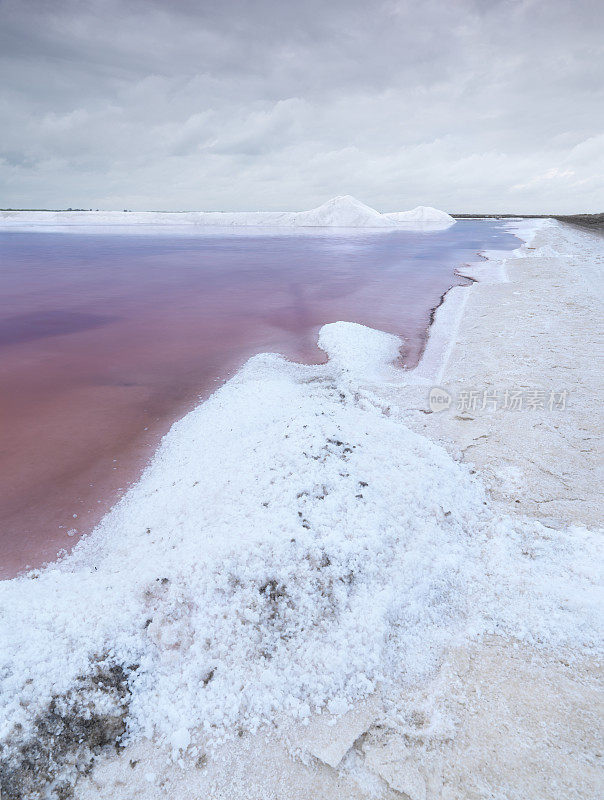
361	770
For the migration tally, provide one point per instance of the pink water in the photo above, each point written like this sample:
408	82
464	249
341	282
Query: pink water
106	339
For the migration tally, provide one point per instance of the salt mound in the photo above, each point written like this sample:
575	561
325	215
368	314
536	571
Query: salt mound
423	215
344	211
359	353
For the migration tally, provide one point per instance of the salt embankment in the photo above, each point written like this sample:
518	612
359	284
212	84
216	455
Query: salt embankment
340	212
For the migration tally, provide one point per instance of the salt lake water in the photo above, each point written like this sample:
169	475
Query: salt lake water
107	338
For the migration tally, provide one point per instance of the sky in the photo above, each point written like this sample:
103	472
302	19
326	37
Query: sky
465	105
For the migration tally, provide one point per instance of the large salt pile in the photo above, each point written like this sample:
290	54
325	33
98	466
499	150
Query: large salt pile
343	211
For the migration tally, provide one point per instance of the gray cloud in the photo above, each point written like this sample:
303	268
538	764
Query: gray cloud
488	105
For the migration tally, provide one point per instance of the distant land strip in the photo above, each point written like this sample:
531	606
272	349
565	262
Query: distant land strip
593	221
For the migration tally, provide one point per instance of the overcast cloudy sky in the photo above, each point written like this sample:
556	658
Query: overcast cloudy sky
467	105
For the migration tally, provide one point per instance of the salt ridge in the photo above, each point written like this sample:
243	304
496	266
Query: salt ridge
340	212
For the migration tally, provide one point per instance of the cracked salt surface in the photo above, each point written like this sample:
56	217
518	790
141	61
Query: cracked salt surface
292	546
